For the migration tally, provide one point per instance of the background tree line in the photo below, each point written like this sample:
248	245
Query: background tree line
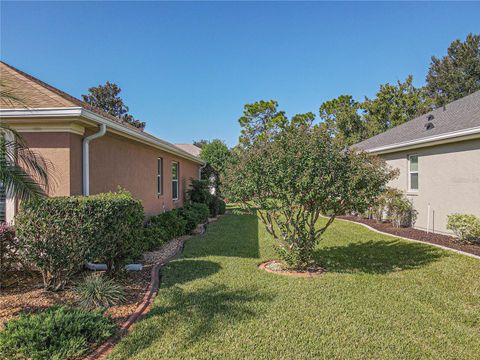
449	78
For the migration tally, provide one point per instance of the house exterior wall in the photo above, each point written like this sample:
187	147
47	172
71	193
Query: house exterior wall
449	180
114	161
57	148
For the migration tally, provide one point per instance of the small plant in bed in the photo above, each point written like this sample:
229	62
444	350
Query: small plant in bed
98	291
57	333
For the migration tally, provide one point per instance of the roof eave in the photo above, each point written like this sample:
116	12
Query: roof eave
454	136
90	115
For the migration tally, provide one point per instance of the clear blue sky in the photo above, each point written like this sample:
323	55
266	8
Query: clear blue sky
187	69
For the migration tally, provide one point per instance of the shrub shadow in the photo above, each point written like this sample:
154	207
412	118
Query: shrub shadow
377	257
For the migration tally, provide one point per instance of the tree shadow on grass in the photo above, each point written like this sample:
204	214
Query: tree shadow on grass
182	271
377	257
233	235
190	315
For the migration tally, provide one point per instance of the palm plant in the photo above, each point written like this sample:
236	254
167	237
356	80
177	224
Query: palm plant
23	172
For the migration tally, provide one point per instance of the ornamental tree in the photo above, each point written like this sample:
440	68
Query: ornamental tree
298	175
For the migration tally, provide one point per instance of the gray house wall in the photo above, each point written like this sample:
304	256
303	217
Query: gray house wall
449	180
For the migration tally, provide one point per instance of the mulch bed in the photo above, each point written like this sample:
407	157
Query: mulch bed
26	295
432	238
276	267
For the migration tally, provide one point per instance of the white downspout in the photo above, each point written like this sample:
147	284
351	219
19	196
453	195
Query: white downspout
428	218
86	163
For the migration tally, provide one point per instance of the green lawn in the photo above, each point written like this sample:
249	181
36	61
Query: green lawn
381	298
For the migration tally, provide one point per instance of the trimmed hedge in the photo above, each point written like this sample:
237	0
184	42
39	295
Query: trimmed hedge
58	235
163	228
194	214
57	333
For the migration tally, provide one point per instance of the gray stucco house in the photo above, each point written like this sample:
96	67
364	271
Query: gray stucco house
438	156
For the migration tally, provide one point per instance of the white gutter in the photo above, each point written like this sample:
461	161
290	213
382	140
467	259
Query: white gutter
86	162
79	111
471	133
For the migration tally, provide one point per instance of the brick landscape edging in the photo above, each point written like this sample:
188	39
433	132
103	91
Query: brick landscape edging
145	305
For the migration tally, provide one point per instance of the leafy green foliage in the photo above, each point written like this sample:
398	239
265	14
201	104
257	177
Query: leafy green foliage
394	205
218	156
106	97
8	251
466	227
58	235
163	228
260	121
343	120
393	106
98	291
193	214
198	191
298	175
457	74
57	333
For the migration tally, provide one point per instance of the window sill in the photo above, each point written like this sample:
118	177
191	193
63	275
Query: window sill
412	193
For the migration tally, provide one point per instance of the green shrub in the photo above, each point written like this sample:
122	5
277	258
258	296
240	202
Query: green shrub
222	207
394	206
163	228
58	235
466	227
97	291
194	214
214	205
8	251
198	191
57	333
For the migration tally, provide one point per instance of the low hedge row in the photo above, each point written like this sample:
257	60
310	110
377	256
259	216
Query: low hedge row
59	235
171	224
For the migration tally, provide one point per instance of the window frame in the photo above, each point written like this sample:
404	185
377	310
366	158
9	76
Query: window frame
160	176
176	181
410	172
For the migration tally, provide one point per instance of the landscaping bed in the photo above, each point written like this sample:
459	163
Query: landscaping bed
411	233
26	295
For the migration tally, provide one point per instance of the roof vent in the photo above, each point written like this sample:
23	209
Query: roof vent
430	117
429	126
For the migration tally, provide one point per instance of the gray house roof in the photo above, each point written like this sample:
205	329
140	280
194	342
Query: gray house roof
456	118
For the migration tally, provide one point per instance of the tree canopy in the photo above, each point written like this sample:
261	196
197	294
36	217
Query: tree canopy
300	173
218	156
106	97
457	74
394	105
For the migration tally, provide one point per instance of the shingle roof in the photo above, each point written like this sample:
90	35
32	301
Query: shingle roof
35	94
190	148
459	115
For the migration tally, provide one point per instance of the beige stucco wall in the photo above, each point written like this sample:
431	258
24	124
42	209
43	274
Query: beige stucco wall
57	148
449	180
114	161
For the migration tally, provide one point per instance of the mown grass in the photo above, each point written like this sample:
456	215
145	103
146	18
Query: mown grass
381	298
